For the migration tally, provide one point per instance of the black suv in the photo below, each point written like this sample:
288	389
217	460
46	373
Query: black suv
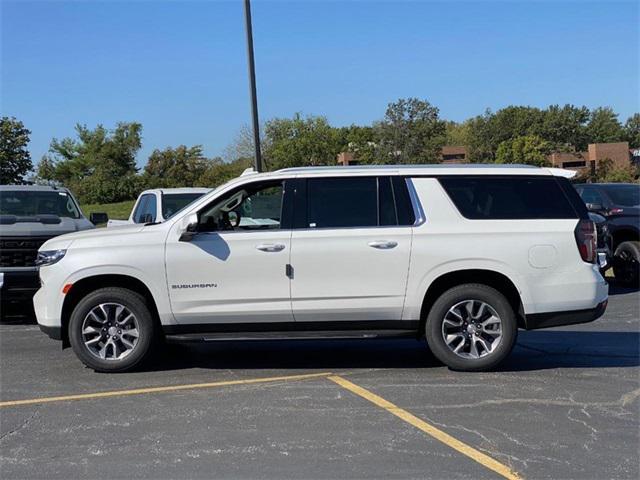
619	203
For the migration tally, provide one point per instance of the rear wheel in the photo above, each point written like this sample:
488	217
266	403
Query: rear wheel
626	263
112	330
471	327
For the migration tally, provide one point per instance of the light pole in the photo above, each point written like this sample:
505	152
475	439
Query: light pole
252	85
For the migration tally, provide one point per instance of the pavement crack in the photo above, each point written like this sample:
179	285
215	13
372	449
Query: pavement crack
21	427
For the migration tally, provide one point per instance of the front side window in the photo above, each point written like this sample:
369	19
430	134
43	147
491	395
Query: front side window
25	203
251	207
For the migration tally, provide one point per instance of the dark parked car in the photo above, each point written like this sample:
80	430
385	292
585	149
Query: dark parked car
605	242
619	203
29	216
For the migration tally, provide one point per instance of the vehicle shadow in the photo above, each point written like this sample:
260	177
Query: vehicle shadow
539	350
548	349
616	289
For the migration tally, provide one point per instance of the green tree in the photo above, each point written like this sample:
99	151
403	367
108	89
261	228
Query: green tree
411	132
609	172
363	142
604	126
632	130
175	167
219	172
46	171
565	127
100	164
15	159
298	141
528	149
458	133
242	145
489	130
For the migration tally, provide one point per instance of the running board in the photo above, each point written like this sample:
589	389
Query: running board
290	335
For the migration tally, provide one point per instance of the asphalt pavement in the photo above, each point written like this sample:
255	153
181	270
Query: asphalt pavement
565	405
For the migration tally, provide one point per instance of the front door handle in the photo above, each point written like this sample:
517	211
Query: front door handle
270	247
383	244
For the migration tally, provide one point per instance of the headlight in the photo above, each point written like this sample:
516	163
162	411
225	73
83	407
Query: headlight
49	257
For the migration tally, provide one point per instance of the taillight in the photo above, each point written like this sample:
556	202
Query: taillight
587	240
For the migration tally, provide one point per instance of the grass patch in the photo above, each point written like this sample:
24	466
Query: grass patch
116	211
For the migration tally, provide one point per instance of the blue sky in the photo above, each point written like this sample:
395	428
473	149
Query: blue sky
179	67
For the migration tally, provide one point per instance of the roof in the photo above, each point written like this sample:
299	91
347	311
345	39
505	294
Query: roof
433	169
178	190
33	188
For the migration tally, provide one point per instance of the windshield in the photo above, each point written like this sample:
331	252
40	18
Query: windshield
174	202
30	203
625	195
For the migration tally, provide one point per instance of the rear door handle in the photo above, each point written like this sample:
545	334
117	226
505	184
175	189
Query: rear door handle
270	247
383	244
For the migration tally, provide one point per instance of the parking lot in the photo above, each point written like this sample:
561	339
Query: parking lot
564	405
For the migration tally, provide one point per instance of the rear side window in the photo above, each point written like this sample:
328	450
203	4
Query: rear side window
342	202
508	197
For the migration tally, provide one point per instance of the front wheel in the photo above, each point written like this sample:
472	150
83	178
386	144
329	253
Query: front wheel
471	327
112	330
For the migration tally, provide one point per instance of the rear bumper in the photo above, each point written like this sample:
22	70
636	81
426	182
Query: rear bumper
53	332
571	317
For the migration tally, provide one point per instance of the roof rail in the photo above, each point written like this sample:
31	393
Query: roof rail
248	171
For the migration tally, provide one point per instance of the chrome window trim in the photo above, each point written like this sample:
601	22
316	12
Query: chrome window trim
415	203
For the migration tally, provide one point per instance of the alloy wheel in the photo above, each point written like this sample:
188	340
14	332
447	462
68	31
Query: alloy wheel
472	329
110	331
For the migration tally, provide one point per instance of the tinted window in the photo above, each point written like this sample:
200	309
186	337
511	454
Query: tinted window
342	202
152	209
589	195
174	202
28	203
406	215
508	197
625	195
143	207
387	204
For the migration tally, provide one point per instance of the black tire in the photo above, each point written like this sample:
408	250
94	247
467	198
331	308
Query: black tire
146	328
462	293
626	264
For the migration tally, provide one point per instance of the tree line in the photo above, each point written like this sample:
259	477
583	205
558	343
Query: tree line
99	164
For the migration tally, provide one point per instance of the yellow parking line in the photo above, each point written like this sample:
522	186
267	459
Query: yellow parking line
436	433
170	388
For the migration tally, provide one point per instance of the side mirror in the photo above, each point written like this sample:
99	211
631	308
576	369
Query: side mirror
98	217
189	227
594	207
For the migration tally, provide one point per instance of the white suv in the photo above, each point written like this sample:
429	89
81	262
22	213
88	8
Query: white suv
461	255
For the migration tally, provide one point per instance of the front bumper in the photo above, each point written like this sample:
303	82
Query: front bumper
17	287
19	283
571	317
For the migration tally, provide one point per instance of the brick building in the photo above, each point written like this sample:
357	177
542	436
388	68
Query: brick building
619	153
